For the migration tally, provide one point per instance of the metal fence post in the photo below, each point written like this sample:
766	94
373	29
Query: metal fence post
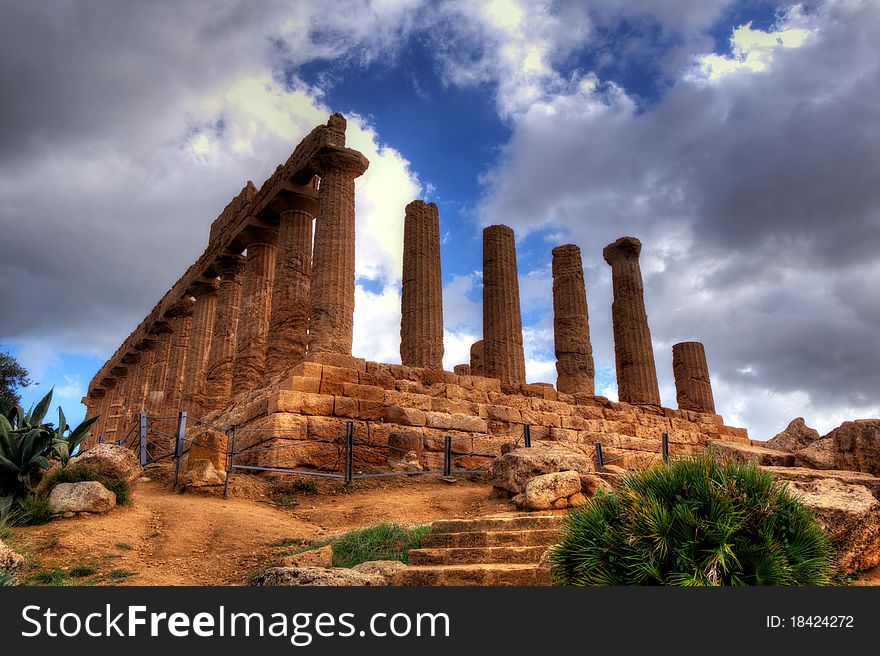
447	455
664	446
178	444
599	459
349	448
231	460
527	435
143	418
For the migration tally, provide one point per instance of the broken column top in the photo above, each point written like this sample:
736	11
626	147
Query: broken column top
623	247
417	205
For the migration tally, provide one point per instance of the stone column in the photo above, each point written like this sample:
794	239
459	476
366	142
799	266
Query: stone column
111	387
132	361
571	325
155	395
96	400
115	412
218	376
462	370
180	319
693	389
147	348
477	358
633	351
421	303
249	364
289	322
199	345
503	355
331	294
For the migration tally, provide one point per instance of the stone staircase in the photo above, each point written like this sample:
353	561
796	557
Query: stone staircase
483	551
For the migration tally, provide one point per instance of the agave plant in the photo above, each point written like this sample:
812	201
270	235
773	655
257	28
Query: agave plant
27	444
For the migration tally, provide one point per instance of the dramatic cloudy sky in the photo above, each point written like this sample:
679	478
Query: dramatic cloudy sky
740	141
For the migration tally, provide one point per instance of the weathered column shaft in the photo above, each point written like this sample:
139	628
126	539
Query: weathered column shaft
477	358
503	355
289	323
181	326
115	410
571	324
132	362
462	370
218	377
331	293
693	389
633	351
249	365
97	400
156	389
421	322
199	345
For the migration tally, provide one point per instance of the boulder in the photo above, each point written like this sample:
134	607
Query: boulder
745	453
202	473
804	475
384	568
9	559
591	483
850	515
85	496
111	460
854	445
316	576
543	492
577	499
512	471
320	557
795	437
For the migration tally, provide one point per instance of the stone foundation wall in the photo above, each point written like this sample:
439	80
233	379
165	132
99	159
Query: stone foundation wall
300	422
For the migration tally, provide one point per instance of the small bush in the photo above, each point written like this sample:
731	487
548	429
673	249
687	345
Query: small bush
82	571
55	576
301	485
80	473
30	511
119	574
695	522
381	542
7	579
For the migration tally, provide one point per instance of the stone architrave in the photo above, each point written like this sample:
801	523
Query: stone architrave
633	351
421	323
571	326
477	358
155	396
289	322
331	293
218	374
503	355
179	318
205	292
249	364
693	390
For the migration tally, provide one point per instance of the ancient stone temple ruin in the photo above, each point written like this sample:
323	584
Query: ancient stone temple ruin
255	340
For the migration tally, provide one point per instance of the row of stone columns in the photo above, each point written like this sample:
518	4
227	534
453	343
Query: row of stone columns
500	353
260	314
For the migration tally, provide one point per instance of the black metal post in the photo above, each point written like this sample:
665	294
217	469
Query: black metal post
230	439
178	444
143	424
527	435
447	455
600	461
349	452
664	446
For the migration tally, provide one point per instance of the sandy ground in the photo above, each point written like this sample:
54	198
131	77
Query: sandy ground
166	538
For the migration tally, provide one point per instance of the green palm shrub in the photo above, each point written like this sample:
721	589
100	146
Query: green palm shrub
695	522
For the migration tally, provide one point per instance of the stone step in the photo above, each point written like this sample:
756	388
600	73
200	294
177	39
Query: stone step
476	555
485	574
525	538
515	523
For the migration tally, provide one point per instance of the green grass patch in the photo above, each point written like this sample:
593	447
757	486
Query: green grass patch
80	473
304	485
119	574
56	576
30	511
381	542
82	571
124	546
7	579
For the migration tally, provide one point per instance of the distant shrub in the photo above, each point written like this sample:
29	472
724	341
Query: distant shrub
695	522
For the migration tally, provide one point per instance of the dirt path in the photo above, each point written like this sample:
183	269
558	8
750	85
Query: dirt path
166	538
